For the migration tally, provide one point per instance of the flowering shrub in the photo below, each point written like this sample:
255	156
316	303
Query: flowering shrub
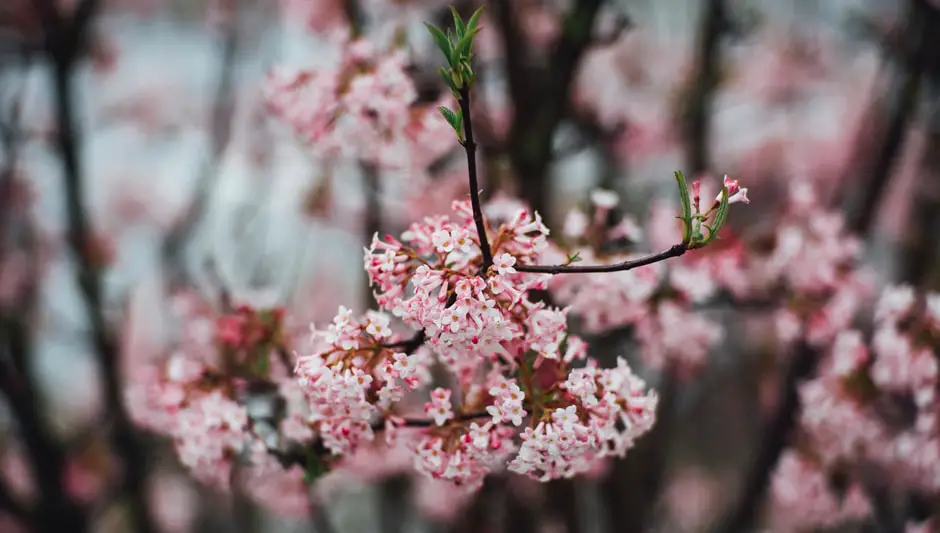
520	391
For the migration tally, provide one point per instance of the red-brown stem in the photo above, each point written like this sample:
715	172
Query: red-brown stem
471	148
675	251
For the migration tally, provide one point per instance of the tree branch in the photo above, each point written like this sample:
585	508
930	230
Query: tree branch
409	345
56	511
675	251
63	39
221	131
540	95
10	504
889	121
705	80
471	147
744	513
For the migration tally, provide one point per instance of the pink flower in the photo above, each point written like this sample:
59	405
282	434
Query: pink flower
736	193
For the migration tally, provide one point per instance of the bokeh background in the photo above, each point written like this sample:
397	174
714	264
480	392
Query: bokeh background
191	183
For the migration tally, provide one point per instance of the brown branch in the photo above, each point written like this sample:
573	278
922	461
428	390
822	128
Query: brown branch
705	79
409	345
635	483
920	258
12	505
518	71
221	132
745	511
299	456
890	117
56	510
540	95
471	148
675	251
63	40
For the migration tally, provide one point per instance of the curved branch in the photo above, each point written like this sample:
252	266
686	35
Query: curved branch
675	251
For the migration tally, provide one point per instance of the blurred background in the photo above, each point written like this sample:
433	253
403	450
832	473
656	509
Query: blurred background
154	154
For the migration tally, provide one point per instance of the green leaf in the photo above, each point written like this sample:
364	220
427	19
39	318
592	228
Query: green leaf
458	23
573	258
474	20
720	217
451	117
443	43
464	46
466	72
457	79
263	363
316	467
686	207
445	73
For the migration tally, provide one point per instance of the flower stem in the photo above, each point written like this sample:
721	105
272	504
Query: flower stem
675	251
471	148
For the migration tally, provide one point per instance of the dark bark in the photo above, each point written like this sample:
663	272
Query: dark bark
745	511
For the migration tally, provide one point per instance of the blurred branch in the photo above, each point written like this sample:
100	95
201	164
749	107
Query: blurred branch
920	260
45	454
10	504
888	119
64	38
590	133
539	96
221	132
635	483
514	48
745	511
355	16
704	81
393	504
56	511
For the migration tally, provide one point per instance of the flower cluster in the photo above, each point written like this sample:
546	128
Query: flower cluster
873	405
511	357
355	377
205	396
363	109
812	264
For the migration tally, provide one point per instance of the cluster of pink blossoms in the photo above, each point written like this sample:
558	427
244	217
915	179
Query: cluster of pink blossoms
364	109
224	398
510	357
872	408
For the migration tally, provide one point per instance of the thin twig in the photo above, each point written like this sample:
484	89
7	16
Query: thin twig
221	132
675	251
471	147
409	345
